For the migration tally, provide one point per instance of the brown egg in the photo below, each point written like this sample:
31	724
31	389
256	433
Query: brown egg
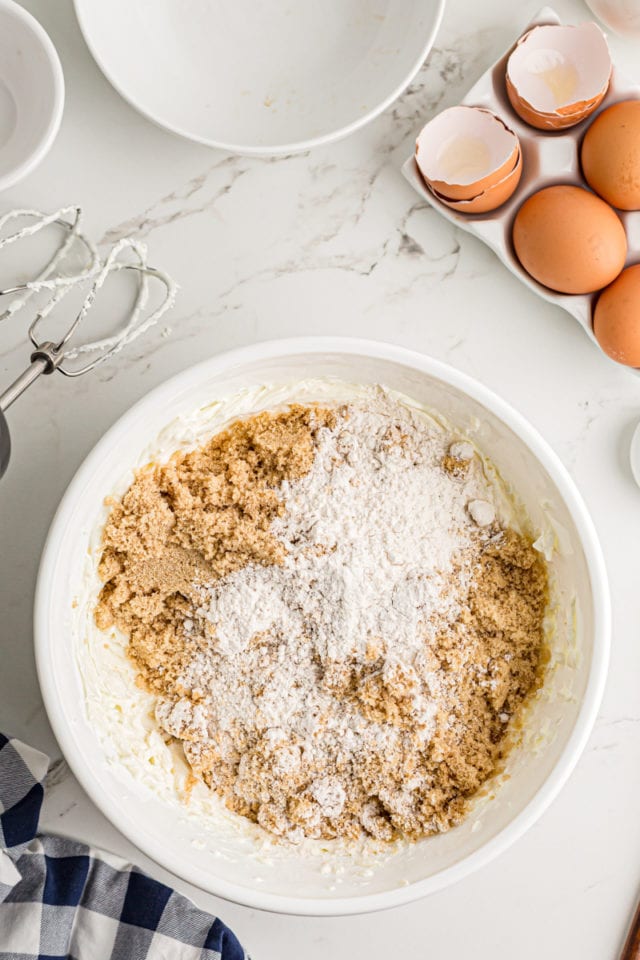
616	319
569	240
611	155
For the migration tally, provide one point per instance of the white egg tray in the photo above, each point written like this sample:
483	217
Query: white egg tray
548	158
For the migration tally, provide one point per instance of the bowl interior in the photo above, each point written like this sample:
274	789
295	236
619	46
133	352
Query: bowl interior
30	89
228	864
258	75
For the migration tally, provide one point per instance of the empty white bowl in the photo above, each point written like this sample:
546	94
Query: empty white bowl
31	93
260	78
225	862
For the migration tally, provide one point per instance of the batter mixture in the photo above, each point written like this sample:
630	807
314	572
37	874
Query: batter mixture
335	623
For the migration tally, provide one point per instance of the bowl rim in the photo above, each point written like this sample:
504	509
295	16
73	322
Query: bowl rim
273	150
45	142
316	906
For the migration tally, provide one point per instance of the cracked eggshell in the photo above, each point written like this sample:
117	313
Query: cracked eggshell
465	152
558	75
492	198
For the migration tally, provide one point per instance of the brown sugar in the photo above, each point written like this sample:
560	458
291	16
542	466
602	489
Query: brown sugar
199	517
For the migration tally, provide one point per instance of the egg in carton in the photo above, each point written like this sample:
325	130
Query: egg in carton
548	157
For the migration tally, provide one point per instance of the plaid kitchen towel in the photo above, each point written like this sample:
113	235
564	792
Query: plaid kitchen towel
60	898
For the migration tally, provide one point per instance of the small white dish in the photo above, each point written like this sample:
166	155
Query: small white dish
226	862
263	79
622	16
31	93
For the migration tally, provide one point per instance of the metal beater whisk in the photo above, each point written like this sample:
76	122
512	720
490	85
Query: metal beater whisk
50	355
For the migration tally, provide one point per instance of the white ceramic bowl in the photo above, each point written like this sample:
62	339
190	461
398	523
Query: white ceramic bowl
31	93
260	78
558	725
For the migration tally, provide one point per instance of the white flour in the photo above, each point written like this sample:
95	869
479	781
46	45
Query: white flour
370	533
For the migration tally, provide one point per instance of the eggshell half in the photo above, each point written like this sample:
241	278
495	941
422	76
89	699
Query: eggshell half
558	74
616	318
465	151
569	240
492	198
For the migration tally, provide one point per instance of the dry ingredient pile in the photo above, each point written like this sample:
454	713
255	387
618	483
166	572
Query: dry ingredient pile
332	619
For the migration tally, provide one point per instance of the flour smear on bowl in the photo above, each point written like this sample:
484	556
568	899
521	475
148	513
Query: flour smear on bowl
321	623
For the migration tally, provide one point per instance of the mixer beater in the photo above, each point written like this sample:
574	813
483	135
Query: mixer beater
49	355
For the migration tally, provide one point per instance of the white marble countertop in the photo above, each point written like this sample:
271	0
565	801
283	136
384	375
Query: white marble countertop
335	242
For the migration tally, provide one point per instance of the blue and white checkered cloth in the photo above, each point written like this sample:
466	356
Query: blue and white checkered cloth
62	899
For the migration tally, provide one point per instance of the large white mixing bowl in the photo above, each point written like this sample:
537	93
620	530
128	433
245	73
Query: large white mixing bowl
556	729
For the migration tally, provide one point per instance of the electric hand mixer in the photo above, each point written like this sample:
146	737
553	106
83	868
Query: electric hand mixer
50	355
